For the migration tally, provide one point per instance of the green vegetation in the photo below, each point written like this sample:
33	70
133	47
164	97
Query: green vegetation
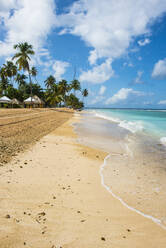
18	80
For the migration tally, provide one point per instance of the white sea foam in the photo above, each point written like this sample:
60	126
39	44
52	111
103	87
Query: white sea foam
155	220
132	126
107	117
129	125
163	141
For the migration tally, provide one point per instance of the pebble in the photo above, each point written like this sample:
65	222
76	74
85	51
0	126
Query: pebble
7	216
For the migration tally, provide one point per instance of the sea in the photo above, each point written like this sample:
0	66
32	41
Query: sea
134	170
150	122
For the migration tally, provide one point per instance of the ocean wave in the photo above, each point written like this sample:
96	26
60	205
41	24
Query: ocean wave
129	125
107	117
132	126
163	141
155	110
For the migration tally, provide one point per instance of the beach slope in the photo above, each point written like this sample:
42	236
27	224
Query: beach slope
51	197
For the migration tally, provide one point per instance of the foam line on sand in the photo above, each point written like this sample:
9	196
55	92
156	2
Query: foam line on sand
155	220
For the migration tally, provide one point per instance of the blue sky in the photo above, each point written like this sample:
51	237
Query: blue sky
117	47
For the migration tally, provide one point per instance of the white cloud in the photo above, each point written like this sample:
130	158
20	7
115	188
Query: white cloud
92	57
91	92
59	68
123	94
109	27
98	74
102	90
139	58
162	102
159	70
144	42
138	79
5	6
30	21
128	64
97	99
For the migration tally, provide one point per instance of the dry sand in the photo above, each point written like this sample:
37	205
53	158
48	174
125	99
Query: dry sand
51	197
19	128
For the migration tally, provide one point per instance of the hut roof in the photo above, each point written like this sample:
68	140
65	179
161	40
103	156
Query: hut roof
38	100
5	99
34	100
29	100
15	101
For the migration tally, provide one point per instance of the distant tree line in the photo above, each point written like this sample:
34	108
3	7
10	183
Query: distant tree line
18	72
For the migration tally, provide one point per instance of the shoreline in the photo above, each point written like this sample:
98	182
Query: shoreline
130	164
56	199
155	220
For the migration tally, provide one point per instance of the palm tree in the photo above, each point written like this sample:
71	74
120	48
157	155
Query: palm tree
74	102
63	88
23	58
85	93
34	72
4	80
75	85
10	69
50	81
20	79
53	96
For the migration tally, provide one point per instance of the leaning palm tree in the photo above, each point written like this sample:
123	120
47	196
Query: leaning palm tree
23	58
34	72
50	81
75	85
85	93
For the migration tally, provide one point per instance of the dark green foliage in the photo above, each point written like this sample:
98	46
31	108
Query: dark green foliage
73	102
56	93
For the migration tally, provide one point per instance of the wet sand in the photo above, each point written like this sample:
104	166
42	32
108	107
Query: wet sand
51	197
134	171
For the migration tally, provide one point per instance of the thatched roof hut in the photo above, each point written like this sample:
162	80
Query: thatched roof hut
15	101
29	100
5	99
34	101
38	100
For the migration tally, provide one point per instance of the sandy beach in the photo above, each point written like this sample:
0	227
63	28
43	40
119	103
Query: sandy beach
19	128
52	197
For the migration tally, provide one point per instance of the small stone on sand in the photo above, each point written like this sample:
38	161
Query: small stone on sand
7	216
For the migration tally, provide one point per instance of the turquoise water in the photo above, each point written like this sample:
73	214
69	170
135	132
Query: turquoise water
152	122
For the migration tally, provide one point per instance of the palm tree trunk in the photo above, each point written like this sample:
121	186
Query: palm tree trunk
30	83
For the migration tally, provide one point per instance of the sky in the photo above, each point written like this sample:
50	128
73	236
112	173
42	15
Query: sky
116	49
